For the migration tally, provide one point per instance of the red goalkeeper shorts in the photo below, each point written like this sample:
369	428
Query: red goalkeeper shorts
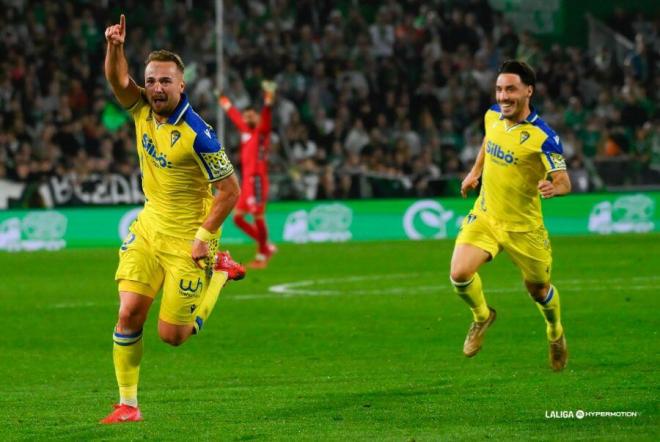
254	193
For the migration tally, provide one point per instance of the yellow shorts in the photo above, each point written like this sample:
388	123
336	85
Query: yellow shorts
530	251
149	261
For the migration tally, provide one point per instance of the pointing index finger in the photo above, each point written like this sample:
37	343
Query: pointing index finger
122	23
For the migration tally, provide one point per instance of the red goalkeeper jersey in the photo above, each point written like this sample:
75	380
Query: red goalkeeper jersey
254	141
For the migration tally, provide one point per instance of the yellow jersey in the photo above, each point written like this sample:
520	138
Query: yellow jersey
178	160
516	158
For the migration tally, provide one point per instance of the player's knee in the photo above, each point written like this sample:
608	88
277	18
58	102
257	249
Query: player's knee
460	274
173	339
538	291
130	318
173	335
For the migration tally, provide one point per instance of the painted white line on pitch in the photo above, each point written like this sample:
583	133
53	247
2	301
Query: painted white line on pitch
291	288
345	292
302	288
416	291
64	305
305	288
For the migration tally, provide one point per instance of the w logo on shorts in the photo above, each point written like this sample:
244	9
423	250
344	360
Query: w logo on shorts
189	288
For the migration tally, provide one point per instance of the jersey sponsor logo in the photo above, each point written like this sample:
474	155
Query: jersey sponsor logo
159	159
175	137
189	288
501	156
524	136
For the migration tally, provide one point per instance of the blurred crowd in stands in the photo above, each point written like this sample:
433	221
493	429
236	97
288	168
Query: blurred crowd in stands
375	99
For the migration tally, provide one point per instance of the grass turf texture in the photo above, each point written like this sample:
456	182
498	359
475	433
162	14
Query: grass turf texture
369	348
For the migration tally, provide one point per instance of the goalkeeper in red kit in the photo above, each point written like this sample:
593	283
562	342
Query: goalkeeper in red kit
254	132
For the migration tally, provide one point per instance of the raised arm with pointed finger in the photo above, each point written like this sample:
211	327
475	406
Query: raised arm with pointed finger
116	66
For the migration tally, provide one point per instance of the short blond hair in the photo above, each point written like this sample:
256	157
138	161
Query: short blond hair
165	55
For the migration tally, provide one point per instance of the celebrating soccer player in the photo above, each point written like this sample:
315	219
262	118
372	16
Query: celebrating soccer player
255	139
174	240
520	159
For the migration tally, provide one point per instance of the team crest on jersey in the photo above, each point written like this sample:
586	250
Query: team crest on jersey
524	136
175	137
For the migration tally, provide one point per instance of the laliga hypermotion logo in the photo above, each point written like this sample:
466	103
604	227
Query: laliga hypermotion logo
426	219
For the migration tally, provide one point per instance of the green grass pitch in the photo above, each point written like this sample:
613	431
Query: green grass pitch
358	341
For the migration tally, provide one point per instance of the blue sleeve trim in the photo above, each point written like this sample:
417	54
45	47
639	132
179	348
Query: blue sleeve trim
208	149
549	158
207	143
206	140
552	143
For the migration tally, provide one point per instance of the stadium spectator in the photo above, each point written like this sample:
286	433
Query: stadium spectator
404	70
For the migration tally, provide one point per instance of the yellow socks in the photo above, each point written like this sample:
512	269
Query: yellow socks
550	309
472	293
204	310
127	354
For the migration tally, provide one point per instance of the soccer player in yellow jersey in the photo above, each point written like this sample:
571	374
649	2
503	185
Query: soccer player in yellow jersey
520	162
173	241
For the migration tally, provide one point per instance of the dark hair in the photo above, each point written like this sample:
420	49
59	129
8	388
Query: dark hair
521	69
165	55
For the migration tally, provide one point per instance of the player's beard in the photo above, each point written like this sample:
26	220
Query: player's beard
512	109
162	108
